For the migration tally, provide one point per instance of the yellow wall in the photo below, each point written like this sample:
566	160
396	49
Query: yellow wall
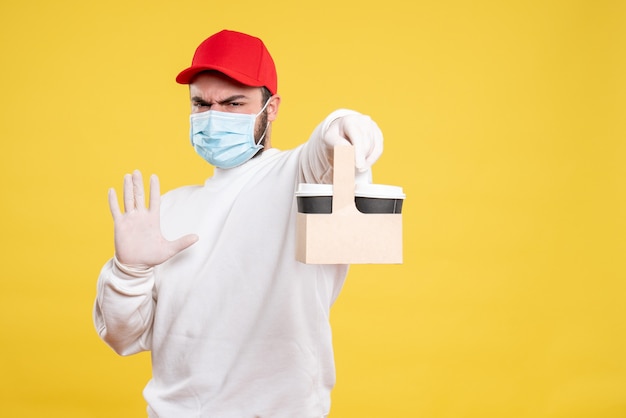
504	122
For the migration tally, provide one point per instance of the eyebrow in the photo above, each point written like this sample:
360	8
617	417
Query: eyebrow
227	100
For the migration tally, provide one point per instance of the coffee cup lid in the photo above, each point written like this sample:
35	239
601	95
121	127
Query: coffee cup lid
379	191
313	189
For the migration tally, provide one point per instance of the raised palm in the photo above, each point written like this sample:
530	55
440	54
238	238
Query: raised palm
139	242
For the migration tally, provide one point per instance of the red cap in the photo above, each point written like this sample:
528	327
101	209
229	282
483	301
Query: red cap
241	57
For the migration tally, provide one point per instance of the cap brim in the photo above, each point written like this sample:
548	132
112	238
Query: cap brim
186	76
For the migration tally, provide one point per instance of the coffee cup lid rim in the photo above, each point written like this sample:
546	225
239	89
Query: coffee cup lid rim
380	191
314	189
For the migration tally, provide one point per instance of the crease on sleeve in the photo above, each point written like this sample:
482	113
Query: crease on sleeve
123	310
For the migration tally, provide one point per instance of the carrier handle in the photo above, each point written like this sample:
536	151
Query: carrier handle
343	179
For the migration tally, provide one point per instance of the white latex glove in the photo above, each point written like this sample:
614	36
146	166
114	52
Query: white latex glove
139	243
360	131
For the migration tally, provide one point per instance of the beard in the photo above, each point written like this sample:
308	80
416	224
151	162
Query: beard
260	128
261	131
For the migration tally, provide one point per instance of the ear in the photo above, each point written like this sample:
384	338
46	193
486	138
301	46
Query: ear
272	108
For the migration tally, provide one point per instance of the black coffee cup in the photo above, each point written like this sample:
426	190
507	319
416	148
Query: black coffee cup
378	198
369	198
314	198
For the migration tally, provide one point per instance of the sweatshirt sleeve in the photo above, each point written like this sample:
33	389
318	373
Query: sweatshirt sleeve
316	160
124	308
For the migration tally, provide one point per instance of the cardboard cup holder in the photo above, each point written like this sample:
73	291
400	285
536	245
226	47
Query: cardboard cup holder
348	223
368	198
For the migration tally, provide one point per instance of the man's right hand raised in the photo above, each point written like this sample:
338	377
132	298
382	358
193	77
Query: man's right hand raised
139	243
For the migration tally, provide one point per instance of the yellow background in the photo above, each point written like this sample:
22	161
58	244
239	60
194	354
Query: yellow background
503	121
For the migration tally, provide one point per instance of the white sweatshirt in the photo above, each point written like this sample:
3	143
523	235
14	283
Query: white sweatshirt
236	326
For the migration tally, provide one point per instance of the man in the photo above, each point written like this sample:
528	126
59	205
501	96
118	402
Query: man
207	279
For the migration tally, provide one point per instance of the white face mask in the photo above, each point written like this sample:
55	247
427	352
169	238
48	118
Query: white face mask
225	139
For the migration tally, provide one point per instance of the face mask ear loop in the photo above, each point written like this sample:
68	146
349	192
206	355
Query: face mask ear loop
266	126
264	106
262	136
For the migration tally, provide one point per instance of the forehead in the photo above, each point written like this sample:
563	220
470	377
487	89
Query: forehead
213	83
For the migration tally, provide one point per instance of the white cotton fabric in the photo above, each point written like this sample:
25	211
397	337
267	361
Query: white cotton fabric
236	326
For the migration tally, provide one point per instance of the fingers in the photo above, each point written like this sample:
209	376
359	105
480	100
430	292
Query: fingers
113	204
134	196
334	135
139	197
372	147
366	137
155	193
183	243
129	198
377	149
360	150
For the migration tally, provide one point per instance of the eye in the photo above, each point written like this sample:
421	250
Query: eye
200	105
